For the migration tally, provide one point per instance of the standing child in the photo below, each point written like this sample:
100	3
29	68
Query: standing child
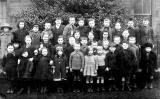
101	68
9	64
148	65
76	64
43	70
90	68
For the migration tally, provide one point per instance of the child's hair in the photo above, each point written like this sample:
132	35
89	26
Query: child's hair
60	36
28	36
88	49
10	44
84	38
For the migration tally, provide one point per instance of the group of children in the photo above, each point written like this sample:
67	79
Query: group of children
86	58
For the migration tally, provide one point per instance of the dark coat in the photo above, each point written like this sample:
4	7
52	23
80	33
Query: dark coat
116	33
9	63
43	70
96	32
126	62
148	63
134	32
36	38
146	35
60	63
83	31
56	33
68	50
19	36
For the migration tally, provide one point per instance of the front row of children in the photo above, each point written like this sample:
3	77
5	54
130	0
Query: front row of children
99	66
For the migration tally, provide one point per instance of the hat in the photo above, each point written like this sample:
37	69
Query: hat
84	38
148	45
6	25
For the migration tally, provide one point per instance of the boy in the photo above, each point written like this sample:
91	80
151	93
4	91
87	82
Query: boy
57	29
84	46
76	64
69	29
148	65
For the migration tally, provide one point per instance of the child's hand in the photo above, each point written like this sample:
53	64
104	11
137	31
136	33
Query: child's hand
70	69
107	69
25	54
19	61
95	71
139	70
51	62
81	70
31	59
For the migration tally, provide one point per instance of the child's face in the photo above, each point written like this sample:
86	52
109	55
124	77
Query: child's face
25	54
125	46
125	33
81	23
118	26
106	23
105	44
105	34
21	25
100	50
132	40
72	21
47	25
76	47
6	29
44	52
60	40
45	38
60	53
77	35
84	42
148	49
130	24
112	49
58	21
28	40
145	22
71	40
117	40
35	28
90	51
90	36
10	49
91	24
94	45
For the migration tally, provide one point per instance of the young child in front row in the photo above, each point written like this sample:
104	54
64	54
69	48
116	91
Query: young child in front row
76	64
9	64
101	68
90	68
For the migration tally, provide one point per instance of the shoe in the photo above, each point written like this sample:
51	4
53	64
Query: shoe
151	86
8	91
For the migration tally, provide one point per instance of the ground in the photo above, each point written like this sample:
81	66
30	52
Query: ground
138	94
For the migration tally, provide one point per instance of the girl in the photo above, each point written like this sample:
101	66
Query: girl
9	64
90	38
101	68
77	36
90	68
25	64
43	73
125	35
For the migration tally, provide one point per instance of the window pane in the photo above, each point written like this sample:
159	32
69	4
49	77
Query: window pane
146	6
138	7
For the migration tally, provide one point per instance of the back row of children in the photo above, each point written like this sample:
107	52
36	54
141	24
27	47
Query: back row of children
97	59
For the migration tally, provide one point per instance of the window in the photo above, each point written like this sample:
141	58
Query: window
142	7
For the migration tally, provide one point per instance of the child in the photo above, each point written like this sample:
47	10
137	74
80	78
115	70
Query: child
90	38
112	67
117	41
9	64
76	64
90	68
94	46
77	36
5	38
105	45
43	70
69	29
35	35
47	30
101	68
57	29
84	46
135	50
105	35
148	65
25	64
81	27
117	31
126	61
125	35
60	63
